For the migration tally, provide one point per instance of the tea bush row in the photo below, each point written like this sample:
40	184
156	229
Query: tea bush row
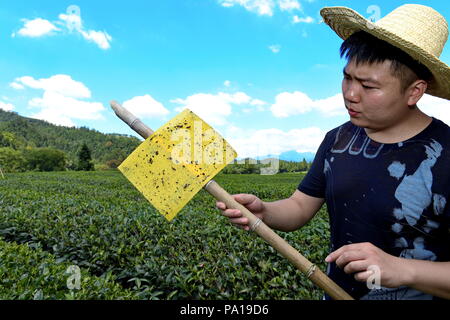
30	273
98	221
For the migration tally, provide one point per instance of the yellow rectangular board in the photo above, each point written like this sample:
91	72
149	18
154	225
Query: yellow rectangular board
176	161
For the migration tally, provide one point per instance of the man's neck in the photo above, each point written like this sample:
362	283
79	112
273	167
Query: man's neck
413	124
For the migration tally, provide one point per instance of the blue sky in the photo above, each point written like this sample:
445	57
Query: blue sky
266	74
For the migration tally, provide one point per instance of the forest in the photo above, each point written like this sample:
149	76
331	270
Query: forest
35	145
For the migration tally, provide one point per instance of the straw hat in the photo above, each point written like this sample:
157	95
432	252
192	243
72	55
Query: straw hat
418	30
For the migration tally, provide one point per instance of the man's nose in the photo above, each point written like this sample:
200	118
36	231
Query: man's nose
351	92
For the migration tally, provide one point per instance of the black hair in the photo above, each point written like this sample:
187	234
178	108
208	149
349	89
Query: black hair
363	47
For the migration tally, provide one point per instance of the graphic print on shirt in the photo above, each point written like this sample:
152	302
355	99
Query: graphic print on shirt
355	142
415	195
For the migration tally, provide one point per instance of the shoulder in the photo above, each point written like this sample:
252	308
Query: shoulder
438	135
441	130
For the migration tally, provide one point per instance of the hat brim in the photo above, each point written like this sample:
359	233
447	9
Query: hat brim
345	22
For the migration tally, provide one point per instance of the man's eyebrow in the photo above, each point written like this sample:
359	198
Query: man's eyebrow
362	79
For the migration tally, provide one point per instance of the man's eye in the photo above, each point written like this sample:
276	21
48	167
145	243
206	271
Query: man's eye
367	87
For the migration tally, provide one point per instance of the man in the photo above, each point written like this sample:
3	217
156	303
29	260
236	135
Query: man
385	174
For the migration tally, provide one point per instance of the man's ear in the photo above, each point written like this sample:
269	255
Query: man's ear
416	91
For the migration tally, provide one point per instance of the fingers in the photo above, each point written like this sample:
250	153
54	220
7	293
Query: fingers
363	276
220	205
244	199
241	198
348	252
350	257
353	259
237	220
355	266
234	216
230	213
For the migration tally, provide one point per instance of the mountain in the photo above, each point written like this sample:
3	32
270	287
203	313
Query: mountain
41	134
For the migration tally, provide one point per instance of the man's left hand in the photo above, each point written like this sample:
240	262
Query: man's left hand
358	258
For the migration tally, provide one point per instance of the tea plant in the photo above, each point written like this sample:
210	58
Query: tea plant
100	222
30	273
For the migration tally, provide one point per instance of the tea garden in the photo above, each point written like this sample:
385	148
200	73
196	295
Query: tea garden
92	235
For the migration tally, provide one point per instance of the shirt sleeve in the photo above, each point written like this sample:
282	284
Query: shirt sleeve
314	184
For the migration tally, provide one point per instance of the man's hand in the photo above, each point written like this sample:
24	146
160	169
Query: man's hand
251	202
357	258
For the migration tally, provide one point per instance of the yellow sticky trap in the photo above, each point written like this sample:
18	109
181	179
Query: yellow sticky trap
174	163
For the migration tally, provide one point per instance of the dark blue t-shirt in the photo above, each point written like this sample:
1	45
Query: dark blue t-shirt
391	195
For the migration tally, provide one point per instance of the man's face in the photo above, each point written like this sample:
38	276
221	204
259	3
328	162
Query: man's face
373	96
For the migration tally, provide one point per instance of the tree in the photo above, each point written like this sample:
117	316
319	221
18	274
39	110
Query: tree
45	159
304	165
84	159
11	160
8	139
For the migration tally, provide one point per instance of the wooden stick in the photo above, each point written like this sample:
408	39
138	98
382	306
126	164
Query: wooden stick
256	224
279	244
134	122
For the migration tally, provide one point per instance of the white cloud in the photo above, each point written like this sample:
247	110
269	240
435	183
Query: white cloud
275	48
68	23
258	103
261	7
215	108
102	39
73	22
235	98
16	86
36	28
6	106
289	5
435	107
254	143
297	19
211	108
61	99
290	104
60	109
227	83
145	107
332	106
227	4
59	83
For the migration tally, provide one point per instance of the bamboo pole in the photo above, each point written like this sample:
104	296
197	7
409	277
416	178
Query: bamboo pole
256	224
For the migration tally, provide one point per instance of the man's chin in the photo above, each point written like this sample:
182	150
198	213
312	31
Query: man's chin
359	122
356	121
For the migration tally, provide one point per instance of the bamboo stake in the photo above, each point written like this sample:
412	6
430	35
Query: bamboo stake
256	224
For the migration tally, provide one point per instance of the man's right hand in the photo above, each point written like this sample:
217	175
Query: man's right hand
250	201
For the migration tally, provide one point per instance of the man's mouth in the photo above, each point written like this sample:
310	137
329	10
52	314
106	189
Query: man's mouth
352	112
